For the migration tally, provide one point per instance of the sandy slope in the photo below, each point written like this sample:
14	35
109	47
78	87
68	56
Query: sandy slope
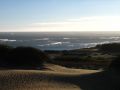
55	78
64	70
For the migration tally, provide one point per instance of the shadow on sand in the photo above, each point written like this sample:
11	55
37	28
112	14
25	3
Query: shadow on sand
105	80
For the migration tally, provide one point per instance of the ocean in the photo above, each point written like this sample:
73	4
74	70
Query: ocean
58	40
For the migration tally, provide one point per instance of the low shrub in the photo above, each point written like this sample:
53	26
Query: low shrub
24	57
110	48
115	64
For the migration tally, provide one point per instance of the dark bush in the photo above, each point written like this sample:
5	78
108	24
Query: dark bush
4	51
110	48
115	64
72	59
23	57
26	57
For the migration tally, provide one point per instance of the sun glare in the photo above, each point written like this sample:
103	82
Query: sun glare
93	23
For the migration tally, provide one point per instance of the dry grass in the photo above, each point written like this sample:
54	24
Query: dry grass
56	78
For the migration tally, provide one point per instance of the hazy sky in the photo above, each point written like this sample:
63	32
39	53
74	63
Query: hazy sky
59	15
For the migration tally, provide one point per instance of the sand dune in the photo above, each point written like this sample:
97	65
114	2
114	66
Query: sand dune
56	78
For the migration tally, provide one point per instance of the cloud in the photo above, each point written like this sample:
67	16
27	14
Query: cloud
94	23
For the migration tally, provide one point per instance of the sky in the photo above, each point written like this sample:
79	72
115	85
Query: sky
59	15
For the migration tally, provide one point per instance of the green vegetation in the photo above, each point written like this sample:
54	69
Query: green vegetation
21	57
115	64
96	57
28	57
109	48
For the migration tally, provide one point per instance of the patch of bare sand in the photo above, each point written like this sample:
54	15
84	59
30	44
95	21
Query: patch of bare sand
65	70
57	78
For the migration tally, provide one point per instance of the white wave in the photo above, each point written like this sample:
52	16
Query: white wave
79	45
70	38
87	44
53	43
56	43
7	40
99	43
66	38
42	39
105	42
59	43
115	38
